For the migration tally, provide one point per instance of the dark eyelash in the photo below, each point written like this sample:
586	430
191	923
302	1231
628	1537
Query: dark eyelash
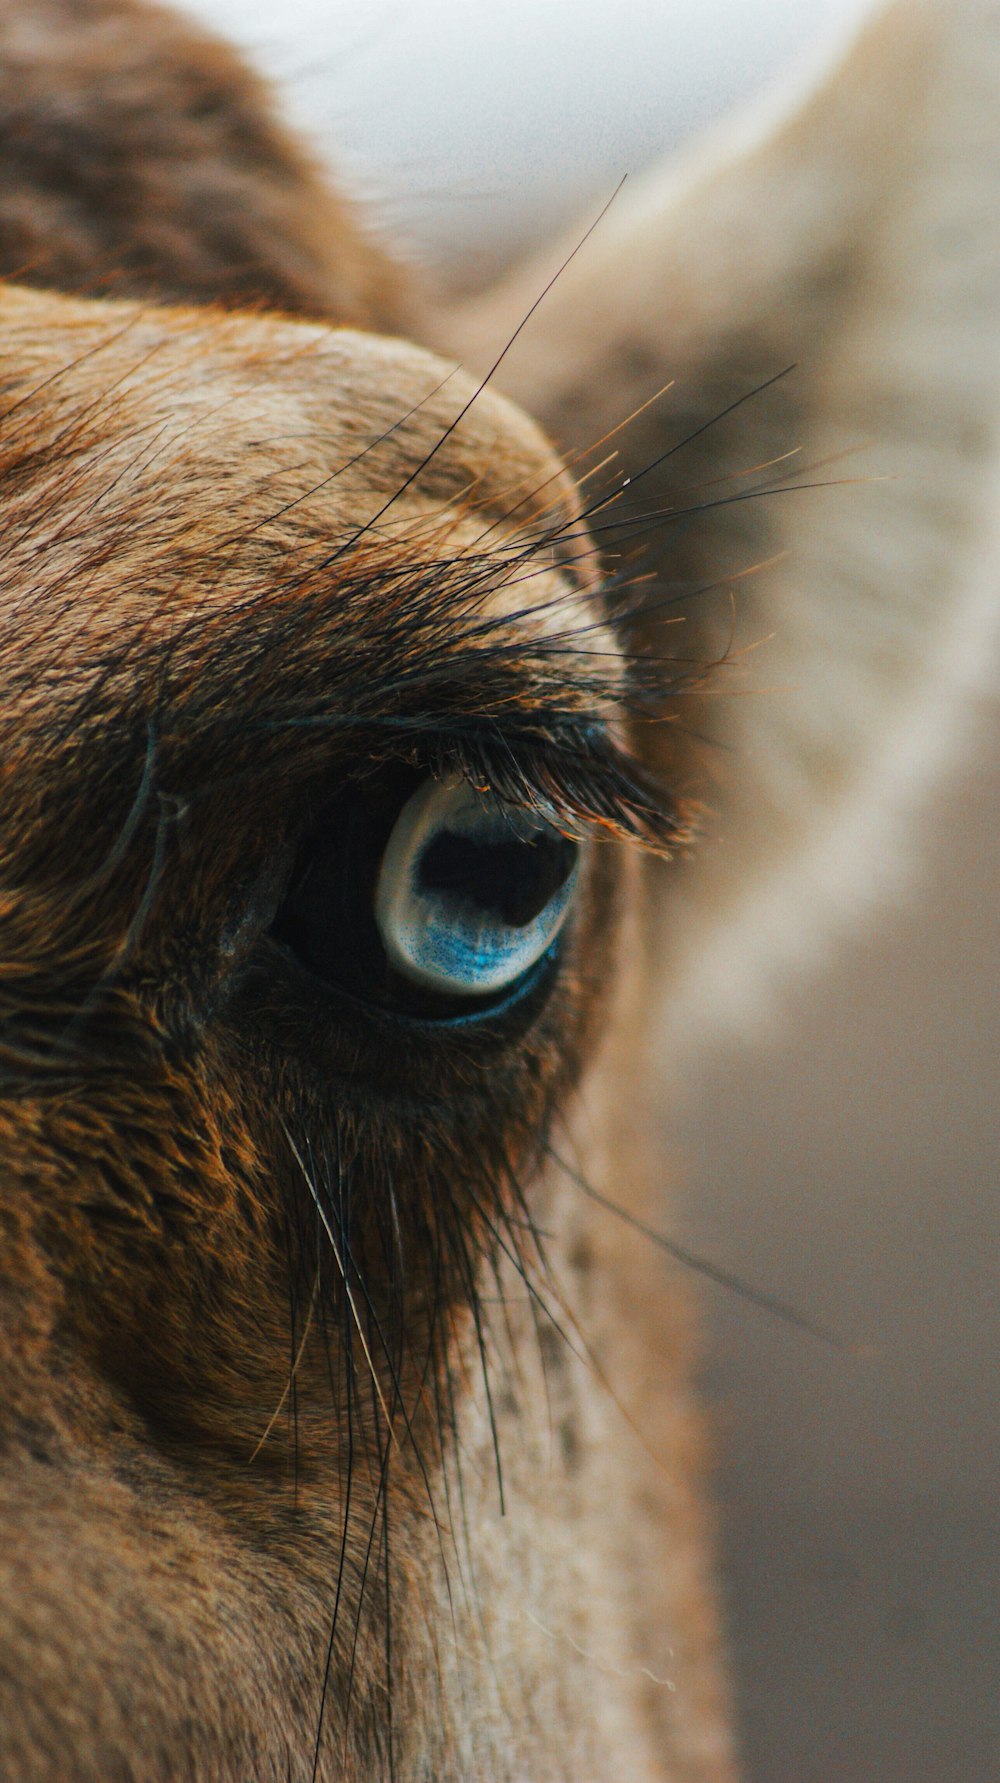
576	776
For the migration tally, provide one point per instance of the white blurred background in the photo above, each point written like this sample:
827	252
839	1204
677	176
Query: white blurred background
852	1166
471	124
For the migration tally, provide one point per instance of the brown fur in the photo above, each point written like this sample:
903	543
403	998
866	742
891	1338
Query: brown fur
341	1426
142	158
178	490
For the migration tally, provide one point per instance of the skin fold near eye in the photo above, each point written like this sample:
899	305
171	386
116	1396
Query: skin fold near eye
470	893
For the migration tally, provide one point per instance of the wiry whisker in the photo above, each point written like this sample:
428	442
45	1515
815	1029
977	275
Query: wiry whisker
341	1266
67	367
689	438
289	1387
723	1278
637	525
272	515
443	438
359	1610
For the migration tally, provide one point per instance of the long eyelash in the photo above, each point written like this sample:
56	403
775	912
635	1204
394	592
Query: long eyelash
581	788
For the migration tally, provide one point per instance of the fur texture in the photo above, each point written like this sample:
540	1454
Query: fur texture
346	1433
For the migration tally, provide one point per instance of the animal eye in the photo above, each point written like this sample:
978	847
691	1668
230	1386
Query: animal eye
470	893
424	896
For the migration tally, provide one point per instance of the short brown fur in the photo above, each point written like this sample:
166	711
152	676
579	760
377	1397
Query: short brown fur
344	1435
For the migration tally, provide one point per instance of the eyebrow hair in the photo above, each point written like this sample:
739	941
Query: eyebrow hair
400	657
429	674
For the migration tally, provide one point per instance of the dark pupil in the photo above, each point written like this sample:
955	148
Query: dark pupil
510	880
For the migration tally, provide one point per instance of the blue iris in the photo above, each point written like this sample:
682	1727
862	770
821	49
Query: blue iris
471	892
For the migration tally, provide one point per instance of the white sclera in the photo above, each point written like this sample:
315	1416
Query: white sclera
438	939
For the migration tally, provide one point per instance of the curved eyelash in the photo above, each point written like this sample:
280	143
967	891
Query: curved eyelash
577	778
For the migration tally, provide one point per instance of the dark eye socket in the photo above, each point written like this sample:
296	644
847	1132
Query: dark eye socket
427	897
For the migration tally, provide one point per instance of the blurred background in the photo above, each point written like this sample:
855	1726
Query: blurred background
850	1163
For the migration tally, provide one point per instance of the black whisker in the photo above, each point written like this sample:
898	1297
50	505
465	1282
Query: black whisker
723	1278
446	434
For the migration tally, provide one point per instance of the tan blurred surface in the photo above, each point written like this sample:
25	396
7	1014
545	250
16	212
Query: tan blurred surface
853	1169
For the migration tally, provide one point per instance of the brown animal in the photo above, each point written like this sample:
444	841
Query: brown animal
346	819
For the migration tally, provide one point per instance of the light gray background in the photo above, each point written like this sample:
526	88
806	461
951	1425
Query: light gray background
852	1165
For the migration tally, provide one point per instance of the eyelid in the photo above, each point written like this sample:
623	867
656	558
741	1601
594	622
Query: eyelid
581	777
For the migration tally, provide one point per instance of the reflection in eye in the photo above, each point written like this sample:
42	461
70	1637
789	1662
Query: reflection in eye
470	893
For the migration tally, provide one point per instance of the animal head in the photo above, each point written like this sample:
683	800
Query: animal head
354	763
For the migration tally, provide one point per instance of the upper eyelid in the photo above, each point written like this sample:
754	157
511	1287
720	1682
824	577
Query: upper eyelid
586	783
